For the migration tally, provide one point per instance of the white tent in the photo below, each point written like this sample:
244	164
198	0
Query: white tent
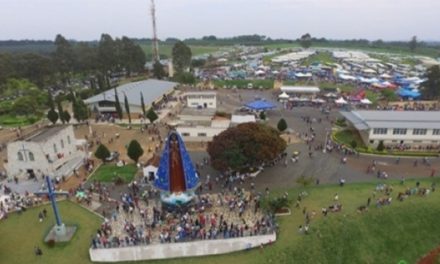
385	76
332	95
366	101
340	101
318	101
283	96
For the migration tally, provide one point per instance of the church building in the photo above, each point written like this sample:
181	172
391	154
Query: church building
52	151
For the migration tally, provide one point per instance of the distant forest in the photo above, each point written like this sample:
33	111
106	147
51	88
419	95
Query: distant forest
48	46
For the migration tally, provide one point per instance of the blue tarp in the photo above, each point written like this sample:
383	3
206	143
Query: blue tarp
162	180
260	105
408	93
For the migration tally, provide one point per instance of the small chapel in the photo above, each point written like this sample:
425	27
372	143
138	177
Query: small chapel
52	151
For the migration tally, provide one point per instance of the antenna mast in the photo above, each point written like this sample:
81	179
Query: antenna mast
155	41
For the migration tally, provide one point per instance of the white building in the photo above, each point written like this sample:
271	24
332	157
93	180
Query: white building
405	128
204	133
52	151
201	99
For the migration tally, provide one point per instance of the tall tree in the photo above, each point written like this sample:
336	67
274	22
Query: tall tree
282	125
64	57
66	116
80	110
107	54
118	105
431	87
151	115
413	44
60	111
181	55
305	41
246	145
143	104
158	71
102	152
52	115
127	108
134	150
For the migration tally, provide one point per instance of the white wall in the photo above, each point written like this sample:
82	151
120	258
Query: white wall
408	138
195	100
40	151
178	250
199	133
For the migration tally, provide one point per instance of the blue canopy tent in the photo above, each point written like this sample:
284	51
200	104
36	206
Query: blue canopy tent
260	105
406	93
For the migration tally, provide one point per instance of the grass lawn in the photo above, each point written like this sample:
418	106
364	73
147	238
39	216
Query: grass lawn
402	231
20	233
347	136
320	57
108	172
15	121
165	49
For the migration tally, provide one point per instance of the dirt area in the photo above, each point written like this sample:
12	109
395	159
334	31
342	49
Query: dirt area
431	258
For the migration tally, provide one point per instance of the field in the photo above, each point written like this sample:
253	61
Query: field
401	231
165	50
15	121
20	233
109	172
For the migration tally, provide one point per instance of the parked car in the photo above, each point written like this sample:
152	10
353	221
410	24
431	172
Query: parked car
114	155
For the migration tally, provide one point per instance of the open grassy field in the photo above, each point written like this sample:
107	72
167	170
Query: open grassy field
320	57
165	49
109	172
15	121
400	231
20	233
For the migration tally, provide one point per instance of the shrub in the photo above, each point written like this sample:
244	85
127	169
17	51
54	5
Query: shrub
282	125
102	152
381	146
353	144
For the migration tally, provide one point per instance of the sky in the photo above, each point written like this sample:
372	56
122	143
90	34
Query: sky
334	19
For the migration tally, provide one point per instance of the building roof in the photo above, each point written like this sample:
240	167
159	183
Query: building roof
363	120
44	133
239	119
200	93
151	90
300	89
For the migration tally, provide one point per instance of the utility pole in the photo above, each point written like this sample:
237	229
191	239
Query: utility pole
155	41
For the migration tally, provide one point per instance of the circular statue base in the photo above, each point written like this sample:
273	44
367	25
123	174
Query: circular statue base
60	233
177	202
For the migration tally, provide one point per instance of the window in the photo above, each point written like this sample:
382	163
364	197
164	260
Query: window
399	131
31	156
201	134
419	131
20	156
62	143
417	141
436	131
55	150
185	134
371	141
68	140
380	131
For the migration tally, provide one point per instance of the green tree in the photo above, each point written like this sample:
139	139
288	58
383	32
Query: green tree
118	105
50	101
102	152
389	94
305	41
143	104
282	125
132	57
158	71
151	115
353	144
60	111
66	116
246	145
64	57
431	87
181	56
263	115
25	105
80	110
185	78
134	150
52	115
413	44
127	108
381	146
107	59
